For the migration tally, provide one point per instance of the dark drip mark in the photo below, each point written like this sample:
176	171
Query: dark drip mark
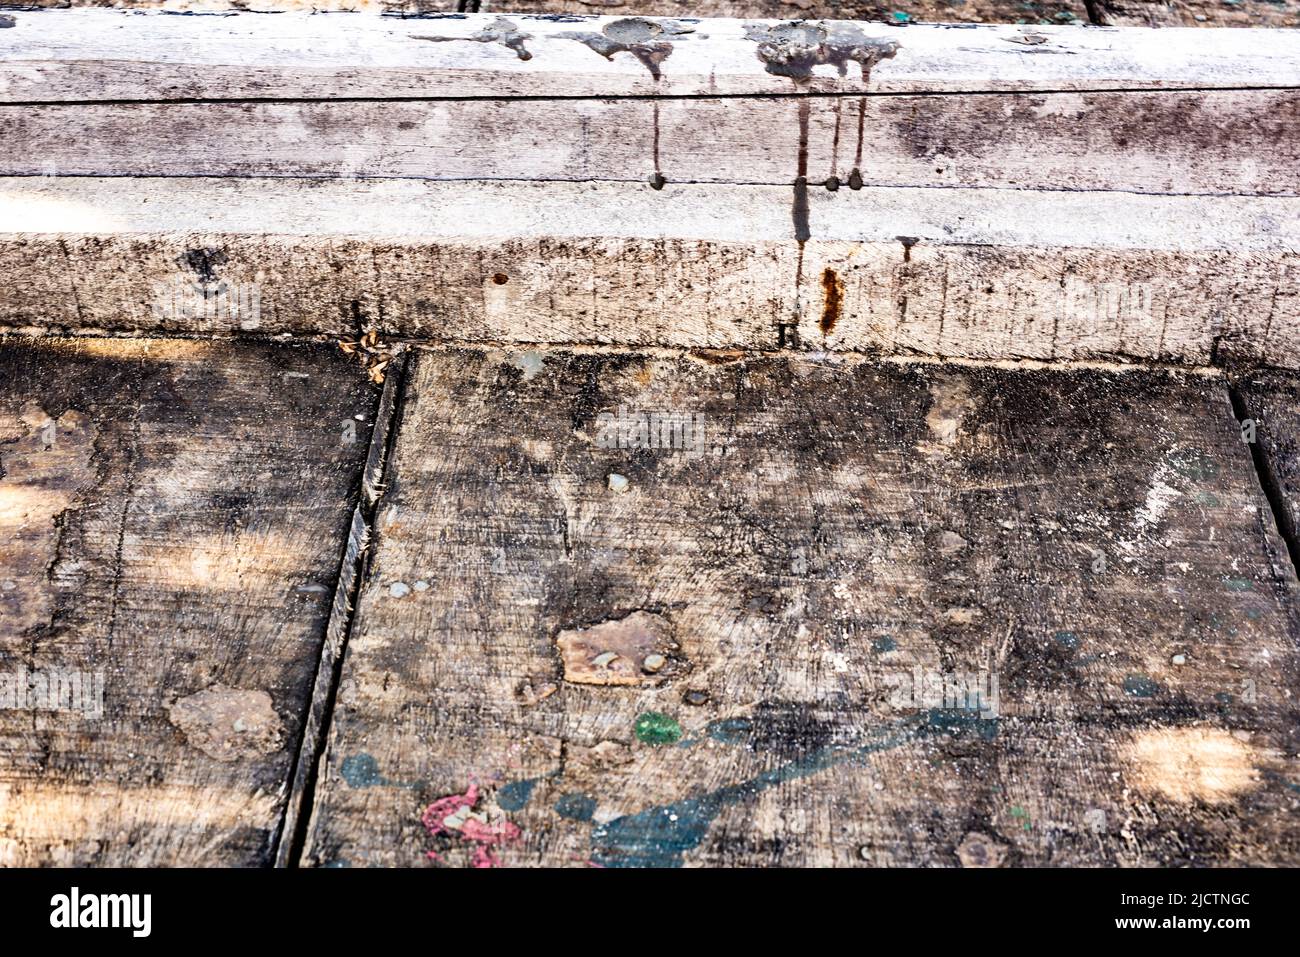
500	31
650	41
855	177
799	214
908	242
657	180
835	146
799	206
833	183
832	300
801	230
793	49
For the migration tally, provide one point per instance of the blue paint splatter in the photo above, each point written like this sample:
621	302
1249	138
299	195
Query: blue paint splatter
361	771
659	836
730	730
1140	686
515	795
576	807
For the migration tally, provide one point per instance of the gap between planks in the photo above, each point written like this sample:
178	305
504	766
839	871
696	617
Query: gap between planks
298	807
1267	476
1213	370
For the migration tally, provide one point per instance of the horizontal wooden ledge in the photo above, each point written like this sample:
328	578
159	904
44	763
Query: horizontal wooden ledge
422	211
1227	141
80	54
960	273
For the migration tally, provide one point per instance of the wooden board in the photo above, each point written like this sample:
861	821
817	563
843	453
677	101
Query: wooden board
105	55
172	519
1098	541
968	273
1162	142
963	11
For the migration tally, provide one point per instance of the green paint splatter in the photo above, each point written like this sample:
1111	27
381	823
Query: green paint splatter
1193	464
884	643
1019	812
653	727
901	17
1238	584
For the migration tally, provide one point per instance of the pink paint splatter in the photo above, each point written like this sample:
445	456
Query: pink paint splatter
454	814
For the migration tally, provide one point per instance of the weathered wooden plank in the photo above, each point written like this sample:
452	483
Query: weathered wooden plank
1205	142
951	272
172	518
937	11
1199	13
621	652
74	55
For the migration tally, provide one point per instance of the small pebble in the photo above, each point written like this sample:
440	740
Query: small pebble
653	663
604	659
1180	659
422	585
399	589
695	696
618	483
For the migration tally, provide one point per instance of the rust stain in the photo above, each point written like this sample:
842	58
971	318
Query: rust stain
832	300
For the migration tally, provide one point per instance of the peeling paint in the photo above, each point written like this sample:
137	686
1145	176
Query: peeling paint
793	49
500	31
228	723
474	819
635	650
650	41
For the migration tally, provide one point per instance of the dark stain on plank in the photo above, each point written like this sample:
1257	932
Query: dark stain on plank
832	300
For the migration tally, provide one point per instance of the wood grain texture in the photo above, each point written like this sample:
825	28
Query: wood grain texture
1199	13
85	54
961	273
172	516
1098	541
935	11
1185	143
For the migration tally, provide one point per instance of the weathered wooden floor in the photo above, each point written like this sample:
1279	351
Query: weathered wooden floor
567	653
